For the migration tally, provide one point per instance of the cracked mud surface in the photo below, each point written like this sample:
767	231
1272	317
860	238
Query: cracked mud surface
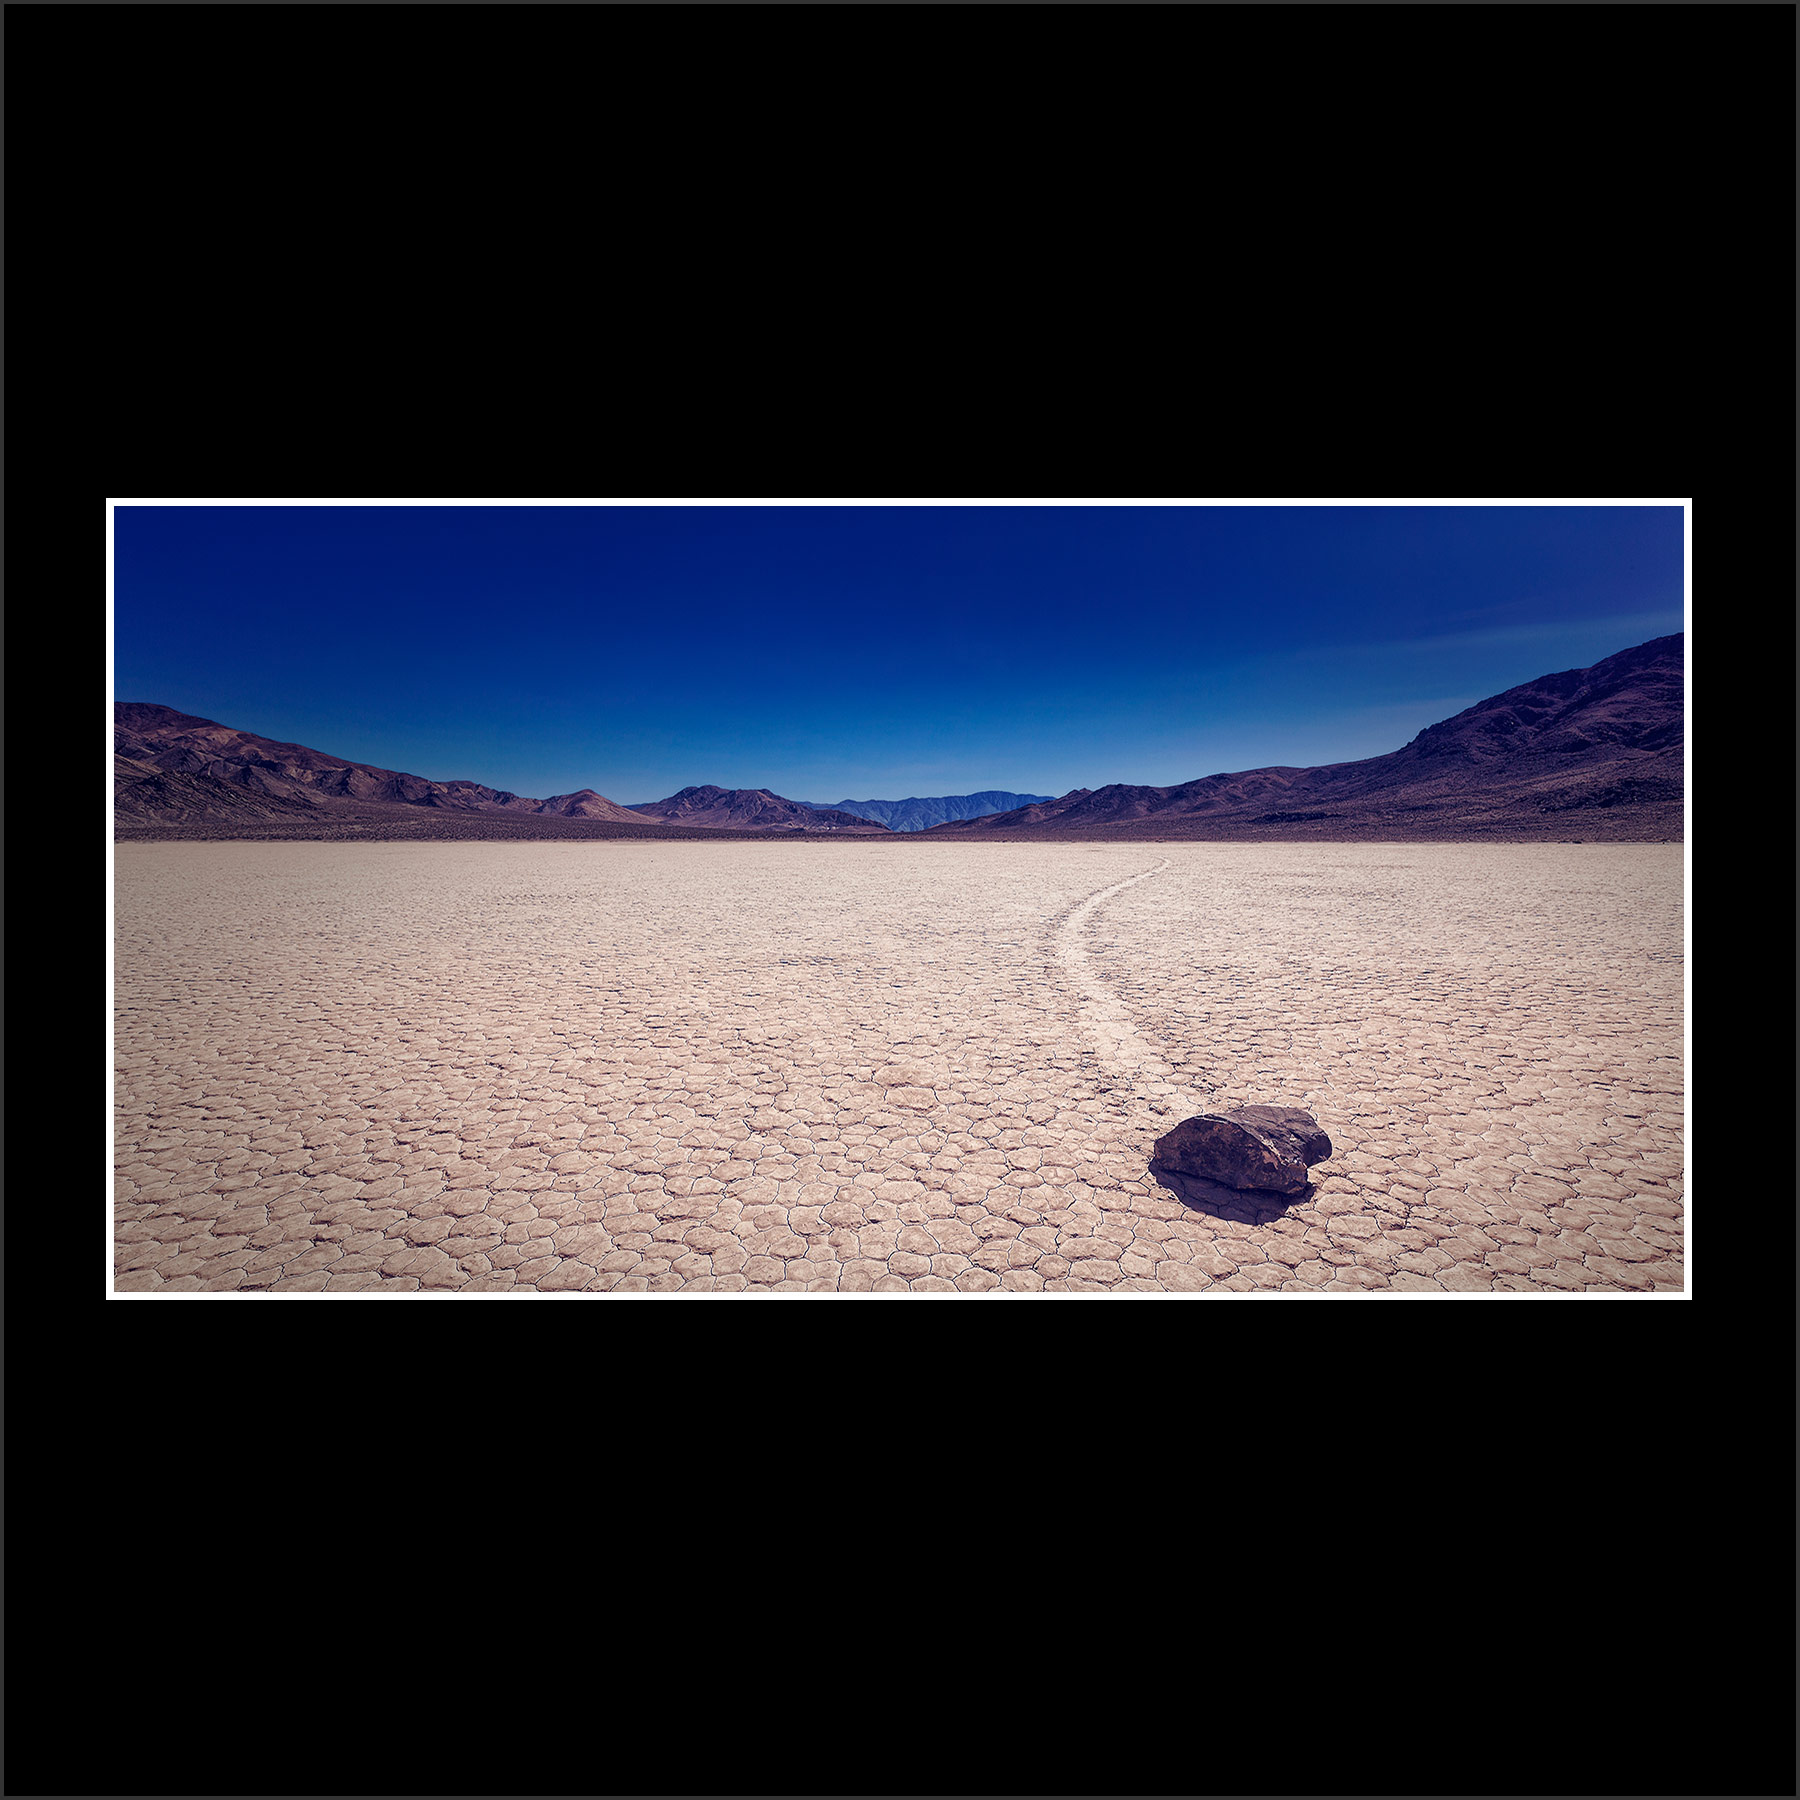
628	1066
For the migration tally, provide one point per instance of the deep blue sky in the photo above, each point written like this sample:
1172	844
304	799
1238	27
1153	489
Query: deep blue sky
833	653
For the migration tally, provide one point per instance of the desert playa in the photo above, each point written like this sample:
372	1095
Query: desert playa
906	1067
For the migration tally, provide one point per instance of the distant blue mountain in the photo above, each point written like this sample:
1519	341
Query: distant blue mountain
921	815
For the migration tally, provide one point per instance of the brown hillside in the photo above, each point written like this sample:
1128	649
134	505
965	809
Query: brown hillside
1589	753
753	809
172	768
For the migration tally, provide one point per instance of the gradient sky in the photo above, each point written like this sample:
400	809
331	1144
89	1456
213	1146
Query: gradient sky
832	653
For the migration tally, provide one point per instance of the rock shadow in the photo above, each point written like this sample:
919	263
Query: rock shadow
1248	1206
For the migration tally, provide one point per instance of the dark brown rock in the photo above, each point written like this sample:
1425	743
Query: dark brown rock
1266	1147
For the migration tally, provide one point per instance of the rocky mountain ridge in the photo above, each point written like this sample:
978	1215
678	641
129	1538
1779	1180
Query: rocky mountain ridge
750	809
920	814
1586	752
169	766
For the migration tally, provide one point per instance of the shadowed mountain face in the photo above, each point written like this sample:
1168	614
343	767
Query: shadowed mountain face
1589	753
750	809
920	815
170	768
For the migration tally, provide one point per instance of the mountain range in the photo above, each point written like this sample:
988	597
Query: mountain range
1587	753
916	814
749	809
1590	753
170	765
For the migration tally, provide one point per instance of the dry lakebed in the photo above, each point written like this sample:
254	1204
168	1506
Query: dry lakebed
892	1067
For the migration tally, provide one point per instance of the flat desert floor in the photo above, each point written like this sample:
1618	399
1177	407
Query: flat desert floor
895	1067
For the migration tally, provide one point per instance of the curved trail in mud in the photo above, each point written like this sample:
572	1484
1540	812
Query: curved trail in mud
1144	1081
